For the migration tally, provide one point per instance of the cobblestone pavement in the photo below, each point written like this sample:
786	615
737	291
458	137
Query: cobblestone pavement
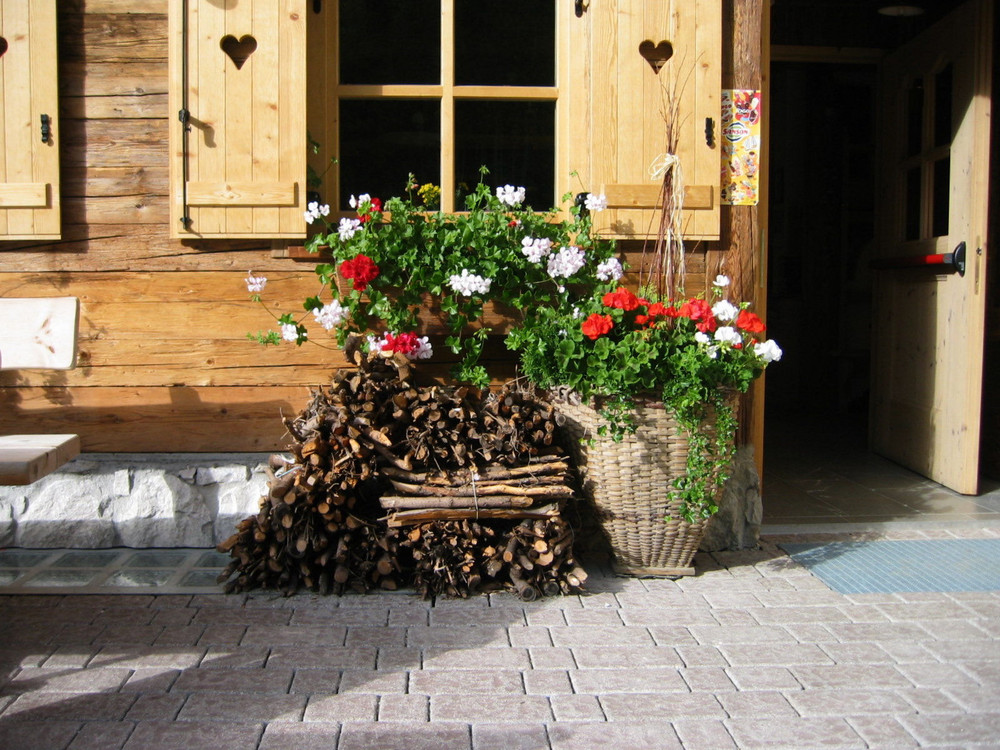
753	652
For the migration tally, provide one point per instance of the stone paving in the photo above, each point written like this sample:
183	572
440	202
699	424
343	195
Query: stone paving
753	652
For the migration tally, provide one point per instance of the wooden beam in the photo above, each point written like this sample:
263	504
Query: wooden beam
746	28
27	458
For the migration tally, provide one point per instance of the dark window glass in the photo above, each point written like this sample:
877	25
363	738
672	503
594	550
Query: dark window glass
942	107
915	118
911	225
392	41
941	197
511	43
383	140
513	139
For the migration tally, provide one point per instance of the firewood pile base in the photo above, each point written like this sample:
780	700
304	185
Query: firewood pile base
451	491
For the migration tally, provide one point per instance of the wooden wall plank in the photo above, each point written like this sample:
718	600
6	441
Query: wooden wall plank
114	143
139	247
117	36
114	181
130	7
100	79
103	107
161	419
138	209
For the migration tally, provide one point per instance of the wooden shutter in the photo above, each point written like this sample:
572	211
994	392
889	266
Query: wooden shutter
29	152
238	99
628	132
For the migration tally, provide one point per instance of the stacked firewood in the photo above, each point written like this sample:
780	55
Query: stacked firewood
453	490
459	558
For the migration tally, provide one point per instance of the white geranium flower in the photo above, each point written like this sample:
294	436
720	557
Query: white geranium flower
314	210
468	284
536	249
610	270
725	310
768	351
290	332
255	284
510	195
360	200
721	281
728	335
330	316
595	202
347	228
702	338
424	349
566	262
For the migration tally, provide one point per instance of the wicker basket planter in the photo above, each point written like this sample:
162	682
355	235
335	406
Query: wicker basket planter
629	483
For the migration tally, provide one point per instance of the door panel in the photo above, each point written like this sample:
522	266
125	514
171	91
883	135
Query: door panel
928	323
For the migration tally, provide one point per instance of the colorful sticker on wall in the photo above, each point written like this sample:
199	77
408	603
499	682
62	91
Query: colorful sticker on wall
740	143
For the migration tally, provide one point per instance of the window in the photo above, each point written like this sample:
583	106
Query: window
925	167
437	88
554	96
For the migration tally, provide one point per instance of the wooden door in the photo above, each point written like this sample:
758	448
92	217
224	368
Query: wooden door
928	323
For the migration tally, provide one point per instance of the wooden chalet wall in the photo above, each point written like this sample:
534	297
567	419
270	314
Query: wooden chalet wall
164	363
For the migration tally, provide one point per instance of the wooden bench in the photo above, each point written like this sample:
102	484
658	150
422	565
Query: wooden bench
37	333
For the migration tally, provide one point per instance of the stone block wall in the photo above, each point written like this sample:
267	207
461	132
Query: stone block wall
134	500
195	500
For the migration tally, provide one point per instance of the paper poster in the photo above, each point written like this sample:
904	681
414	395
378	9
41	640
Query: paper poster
740	147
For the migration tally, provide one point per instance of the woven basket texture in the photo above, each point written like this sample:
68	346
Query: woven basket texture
629	484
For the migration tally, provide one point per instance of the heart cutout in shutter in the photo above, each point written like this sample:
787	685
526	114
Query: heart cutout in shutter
3	46
239	50
656	54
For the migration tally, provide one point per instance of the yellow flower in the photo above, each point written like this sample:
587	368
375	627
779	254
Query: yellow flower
430	194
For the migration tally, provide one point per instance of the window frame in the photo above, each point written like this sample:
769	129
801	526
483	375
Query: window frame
323	110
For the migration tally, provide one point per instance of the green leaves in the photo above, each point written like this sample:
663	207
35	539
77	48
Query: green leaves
419	252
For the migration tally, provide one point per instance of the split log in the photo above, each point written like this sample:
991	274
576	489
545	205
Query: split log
409	502
410	517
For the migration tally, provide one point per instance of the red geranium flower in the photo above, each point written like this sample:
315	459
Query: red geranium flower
700	312
374	204
404	343
596	326
621	298
658	310
749	321
361	269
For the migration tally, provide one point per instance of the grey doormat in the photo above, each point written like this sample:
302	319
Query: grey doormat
896	566
110	571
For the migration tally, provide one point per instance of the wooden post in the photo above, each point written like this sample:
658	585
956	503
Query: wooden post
742	253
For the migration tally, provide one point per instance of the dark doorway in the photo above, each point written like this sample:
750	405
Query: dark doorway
822	203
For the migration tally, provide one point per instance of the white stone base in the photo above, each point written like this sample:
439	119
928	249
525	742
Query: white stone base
135	500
